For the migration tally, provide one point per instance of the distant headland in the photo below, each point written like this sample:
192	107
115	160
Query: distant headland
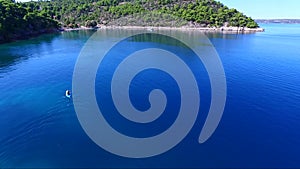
22	20
288	21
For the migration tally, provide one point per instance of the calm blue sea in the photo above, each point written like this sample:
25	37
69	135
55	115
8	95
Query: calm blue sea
260	126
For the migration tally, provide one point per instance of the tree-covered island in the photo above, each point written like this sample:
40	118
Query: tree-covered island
21	20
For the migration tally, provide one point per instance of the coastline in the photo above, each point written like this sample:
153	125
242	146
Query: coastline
77	29
185	28
236	30
225	30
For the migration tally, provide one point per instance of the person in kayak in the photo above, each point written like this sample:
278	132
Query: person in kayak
68	93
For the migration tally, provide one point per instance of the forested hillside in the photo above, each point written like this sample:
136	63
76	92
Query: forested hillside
204	13
18	21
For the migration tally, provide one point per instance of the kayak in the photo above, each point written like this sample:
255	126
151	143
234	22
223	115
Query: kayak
68	94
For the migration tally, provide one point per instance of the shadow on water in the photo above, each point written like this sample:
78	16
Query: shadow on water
116	34
211	35
78	34
16	52
148	37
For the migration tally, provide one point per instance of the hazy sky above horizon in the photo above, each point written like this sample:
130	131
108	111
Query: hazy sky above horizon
263	9
266	9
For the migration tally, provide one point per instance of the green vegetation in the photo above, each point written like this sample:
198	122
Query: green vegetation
199	13
152	19
30	18
18	21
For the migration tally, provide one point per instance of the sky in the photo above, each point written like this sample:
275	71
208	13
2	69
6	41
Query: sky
263	9
266	9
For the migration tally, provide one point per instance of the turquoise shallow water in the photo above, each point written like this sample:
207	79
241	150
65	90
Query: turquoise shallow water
260	125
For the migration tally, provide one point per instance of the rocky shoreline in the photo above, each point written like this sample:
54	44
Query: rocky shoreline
203	29
183	28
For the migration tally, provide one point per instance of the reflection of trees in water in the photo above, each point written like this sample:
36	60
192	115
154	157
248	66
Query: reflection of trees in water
16	52
78	34
222	35
180	42
154	36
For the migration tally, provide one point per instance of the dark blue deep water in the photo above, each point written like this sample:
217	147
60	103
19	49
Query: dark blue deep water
260	126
